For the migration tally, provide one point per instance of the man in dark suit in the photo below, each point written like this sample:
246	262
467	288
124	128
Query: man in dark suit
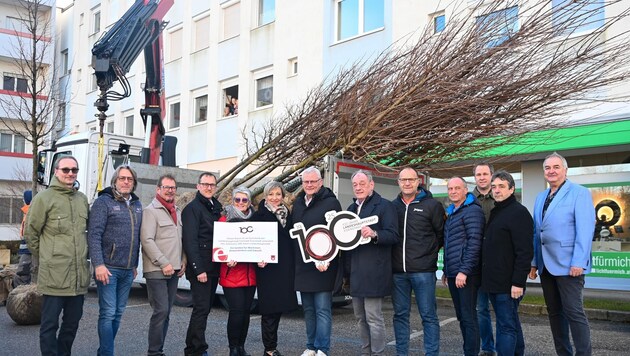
564	221
371	264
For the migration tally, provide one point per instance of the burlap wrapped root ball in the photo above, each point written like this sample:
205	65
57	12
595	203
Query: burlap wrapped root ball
24	305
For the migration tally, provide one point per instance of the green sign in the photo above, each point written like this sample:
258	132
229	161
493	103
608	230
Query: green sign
610	264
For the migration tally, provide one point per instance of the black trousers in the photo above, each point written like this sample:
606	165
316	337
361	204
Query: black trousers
203	298
50	343
269	329
240	301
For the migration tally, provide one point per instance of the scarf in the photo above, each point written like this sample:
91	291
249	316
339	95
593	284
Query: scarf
281	213
232	213
169	206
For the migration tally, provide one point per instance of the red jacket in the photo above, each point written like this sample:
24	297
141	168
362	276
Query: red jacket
241	275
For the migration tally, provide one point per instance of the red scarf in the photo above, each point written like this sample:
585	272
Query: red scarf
169	206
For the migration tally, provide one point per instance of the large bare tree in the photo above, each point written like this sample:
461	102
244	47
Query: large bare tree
33	114
498	69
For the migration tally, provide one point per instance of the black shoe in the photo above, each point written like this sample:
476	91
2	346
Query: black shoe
242	352
274	353
234	351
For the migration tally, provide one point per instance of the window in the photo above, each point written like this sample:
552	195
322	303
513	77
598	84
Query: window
264	91
173	122
266	11
497	27
293	66
231	21
201	109
175	45
12	143
109	127
64	62
356	17
14	82
93	83
16	24
129	125
96	22
202	34
572	16
10	212
61	120
439	23
230	98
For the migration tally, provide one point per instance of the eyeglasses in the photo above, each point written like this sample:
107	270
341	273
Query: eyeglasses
128	179
310	182
241	200
407	180
67	170
167	187
208	185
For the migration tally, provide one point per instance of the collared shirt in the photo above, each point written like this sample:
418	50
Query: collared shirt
550	197
486	200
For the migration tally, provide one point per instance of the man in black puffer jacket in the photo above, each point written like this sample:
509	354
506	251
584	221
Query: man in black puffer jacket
315	281
414	261
463	233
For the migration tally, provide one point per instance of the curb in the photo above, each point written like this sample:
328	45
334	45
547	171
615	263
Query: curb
532	309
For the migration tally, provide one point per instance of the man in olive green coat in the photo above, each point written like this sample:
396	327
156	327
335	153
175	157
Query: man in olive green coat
55	234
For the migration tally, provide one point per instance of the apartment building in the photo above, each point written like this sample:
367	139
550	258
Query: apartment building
15	150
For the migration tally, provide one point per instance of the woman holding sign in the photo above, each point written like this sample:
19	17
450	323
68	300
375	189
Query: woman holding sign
276	293
238	279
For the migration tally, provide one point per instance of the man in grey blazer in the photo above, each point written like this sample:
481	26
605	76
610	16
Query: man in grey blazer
564	221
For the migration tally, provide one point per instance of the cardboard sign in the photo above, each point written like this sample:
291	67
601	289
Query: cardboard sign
245	241
321	243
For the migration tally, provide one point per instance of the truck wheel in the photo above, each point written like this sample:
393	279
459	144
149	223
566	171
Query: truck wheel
183	298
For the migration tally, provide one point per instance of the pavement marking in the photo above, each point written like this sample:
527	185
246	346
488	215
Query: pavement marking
420	333
138	305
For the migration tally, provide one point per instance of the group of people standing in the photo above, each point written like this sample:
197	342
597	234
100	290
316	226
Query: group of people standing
491	245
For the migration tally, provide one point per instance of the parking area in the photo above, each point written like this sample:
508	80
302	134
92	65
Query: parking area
609	338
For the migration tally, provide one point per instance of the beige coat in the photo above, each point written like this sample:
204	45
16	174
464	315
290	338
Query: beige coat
161	239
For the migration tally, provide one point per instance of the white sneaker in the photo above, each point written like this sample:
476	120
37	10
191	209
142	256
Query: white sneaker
320	353
309	352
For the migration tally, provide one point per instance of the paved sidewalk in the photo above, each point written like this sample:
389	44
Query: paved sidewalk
593	314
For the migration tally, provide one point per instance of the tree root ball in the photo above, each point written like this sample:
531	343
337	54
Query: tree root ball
24	305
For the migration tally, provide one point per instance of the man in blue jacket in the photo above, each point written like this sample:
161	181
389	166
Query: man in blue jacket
564	221
463	233
371	264
114	245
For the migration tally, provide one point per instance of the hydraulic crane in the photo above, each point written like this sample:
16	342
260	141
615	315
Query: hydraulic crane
140	28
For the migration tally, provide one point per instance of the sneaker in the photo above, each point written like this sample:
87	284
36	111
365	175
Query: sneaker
274	353
320	353
309	352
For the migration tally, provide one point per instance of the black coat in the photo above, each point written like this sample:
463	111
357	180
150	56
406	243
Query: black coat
198	219
508	247
307	277
371	263
421	232
275	281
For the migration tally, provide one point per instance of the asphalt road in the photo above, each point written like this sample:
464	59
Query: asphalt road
609	338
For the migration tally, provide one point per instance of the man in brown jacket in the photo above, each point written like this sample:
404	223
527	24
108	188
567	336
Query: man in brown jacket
163	258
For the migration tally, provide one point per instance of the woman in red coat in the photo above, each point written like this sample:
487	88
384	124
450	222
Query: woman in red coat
238	279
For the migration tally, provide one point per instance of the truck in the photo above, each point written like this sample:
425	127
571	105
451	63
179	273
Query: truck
126	150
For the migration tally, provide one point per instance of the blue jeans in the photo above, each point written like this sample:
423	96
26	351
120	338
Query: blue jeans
465	303
509	333
318	317
112	300
423	286
485	322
